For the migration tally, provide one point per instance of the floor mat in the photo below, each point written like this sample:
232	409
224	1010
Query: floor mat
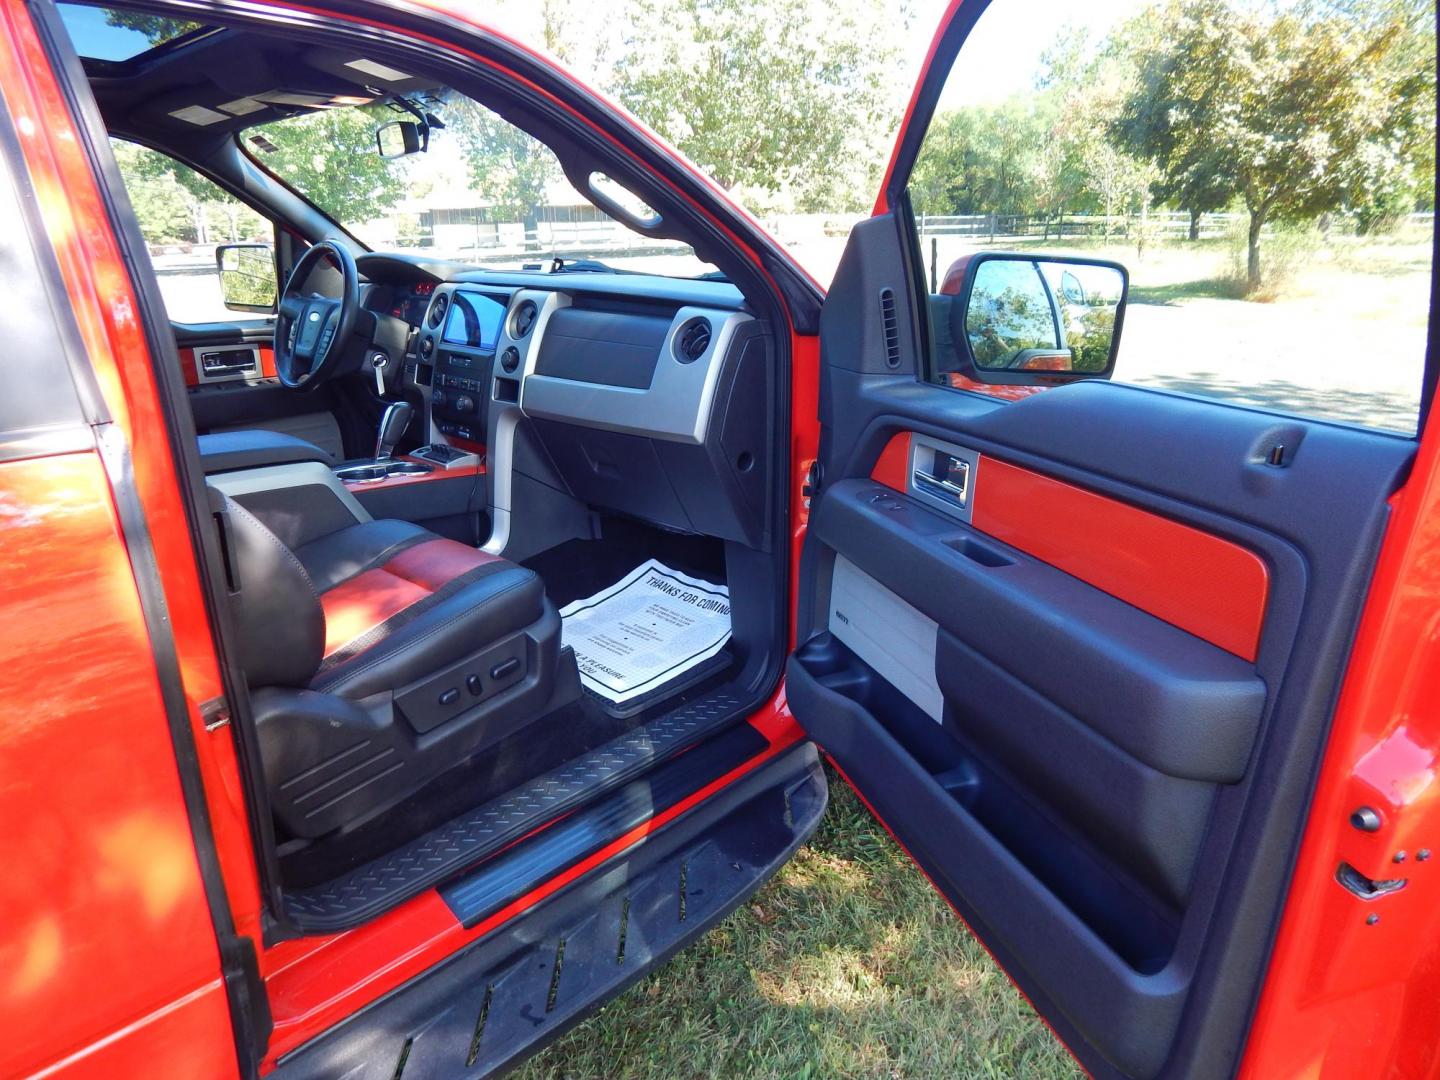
649	628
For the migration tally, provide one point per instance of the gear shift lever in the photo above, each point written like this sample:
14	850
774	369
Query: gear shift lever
393	423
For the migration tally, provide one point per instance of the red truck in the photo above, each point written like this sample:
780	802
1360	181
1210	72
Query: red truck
305	770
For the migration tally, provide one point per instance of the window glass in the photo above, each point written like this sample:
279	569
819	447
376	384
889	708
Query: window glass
1265	173
114	37
481	191
183	218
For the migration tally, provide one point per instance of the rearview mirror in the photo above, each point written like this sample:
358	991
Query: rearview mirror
247	276
398	138
1035	319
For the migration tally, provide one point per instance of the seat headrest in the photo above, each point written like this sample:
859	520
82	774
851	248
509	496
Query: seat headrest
281	623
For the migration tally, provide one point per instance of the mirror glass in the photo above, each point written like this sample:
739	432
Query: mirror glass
247	276
398	138
1043	315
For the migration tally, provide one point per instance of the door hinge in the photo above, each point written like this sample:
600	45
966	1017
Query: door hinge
215	713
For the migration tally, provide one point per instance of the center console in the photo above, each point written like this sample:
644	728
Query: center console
457	349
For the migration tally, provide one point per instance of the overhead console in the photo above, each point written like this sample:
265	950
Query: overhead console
650	407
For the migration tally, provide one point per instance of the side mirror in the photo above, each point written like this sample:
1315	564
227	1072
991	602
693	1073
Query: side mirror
399	138
247	276
1036	319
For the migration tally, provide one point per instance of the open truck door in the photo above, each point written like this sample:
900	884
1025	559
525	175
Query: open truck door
1079	645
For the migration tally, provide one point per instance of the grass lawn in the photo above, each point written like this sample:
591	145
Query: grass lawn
847	964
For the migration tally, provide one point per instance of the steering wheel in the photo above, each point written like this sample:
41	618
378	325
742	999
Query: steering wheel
312	330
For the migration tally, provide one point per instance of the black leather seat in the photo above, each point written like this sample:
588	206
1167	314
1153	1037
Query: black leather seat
381	655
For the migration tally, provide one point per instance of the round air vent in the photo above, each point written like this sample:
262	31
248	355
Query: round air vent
524	320
692	340
437	309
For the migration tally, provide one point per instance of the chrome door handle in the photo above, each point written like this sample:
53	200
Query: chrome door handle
943	488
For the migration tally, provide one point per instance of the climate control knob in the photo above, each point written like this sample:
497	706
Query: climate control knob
510	360
463	403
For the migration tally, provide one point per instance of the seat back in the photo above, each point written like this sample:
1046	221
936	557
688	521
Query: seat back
277	610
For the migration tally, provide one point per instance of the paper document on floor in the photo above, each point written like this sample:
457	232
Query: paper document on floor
651	626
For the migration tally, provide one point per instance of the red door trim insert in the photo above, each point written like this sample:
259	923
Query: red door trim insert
1207	586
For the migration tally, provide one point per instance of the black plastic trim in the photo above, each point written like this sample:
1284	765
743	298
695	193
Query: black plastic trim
507	877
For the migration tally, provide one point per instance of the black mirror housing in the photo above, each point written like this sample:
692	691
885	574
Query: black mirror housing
399	138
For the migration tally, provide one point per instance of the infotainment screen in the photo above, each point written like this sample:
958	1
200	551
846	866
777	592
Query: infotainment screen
474	320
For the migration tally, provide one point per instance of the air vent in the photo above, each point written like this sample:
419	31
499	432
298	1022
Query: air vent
692	341
524	320
890	324
437	309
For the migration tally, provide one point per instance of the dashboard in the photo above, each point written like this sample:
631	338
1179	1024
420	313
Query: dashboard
406	302
645	395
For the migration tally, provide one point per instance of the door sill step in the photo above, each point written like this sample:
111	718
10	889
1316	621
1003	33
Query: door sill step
452	848
508	995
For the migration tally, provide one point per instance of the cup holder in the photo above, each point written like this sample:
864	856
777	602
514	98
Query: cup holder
380	470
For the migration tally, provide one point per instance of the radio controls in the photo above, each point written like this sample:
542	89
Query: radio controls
510	359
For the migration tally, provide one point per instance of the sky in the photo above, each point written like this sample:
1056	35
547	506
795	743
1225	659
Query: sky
1002	54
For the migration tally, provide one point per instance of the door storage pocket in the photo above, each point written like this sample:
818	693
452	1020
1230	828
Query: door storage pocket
1050	907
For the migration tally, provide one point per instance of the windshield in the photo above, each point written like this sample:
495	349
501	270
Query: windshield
483	192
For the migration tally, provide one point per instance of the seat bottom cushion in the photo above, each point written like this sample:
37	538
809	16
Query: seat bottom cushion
401	602
361	610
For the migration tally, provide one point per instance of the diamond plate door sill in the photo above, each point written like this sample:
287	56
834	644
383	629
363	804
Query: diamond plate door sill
460	843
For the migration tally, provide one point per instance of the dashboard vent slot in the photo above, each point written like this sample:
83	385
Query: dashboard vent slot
437	310
524	320
692	341
890	325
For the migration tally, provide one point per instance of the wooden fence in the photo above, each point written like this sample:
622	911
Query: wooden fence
1159	225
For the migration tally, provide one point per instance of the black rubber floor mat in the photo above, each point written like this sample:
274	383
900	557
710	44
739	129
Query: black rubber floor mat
511	993
446	851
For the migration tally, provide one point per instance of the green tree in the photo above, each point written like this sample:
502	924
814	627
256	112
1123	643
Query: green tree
1085	85
329	156
1293	114
157	28
508	168
773	95
174	203
1043	153
988	160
